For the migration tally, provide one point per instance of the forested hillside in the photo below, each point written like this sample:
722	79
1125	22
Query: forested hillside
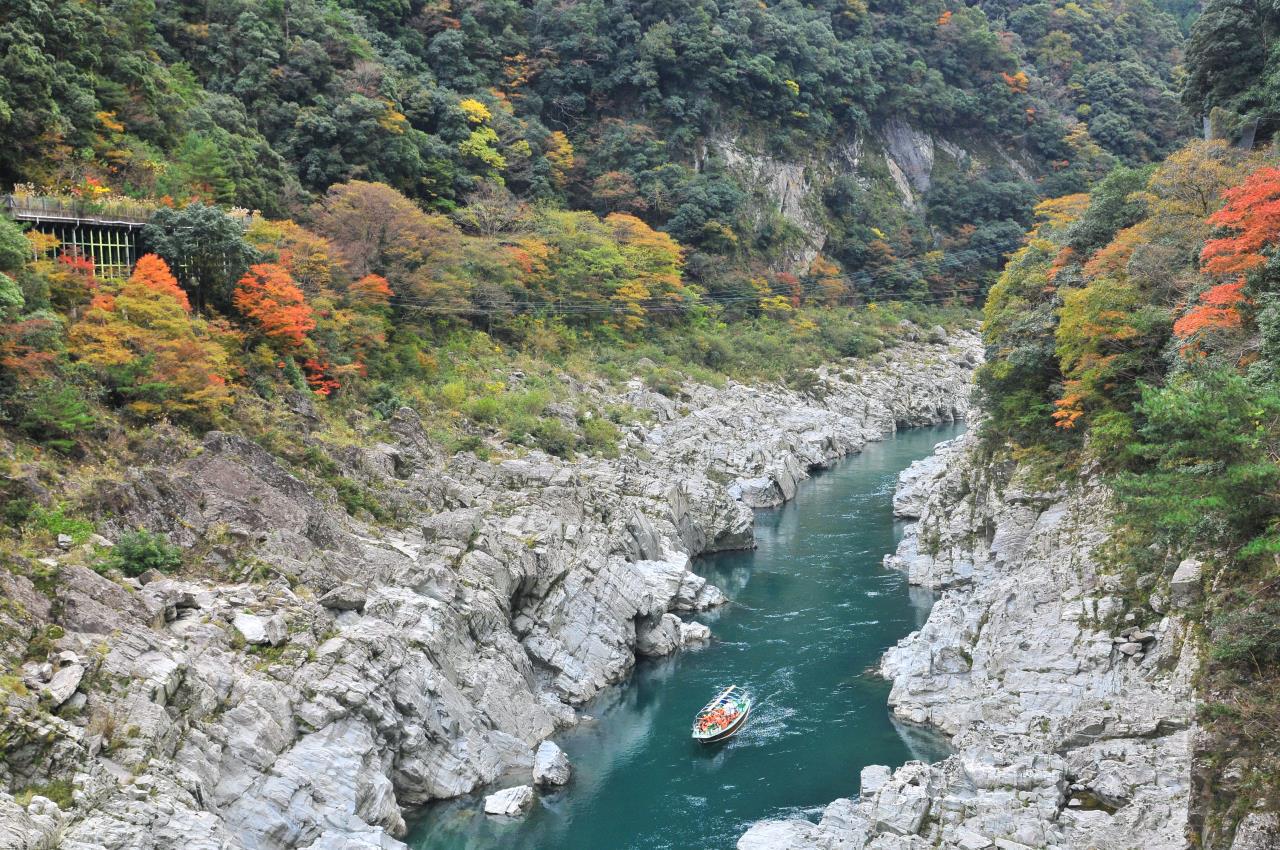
613	107
552	179
1137	336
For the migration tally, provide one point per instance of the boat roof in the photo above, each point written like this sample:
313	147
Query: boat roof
725	696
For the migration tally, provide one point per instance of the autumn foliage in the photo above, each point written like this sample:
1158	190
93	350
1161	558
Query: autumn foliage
268	297
153	273
1251	214
152	355
1252	211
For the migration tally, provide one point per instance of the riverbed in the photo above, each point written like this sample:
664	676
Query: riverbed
812	610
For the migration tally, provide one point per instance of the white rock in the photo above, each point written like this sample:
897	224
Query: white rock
63	684
658	638
263	631
1184	587
873	778
509	801
693	633
550	765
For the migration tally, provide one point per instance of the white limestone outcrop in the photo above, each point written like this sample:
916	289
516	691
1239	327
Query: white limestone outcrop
357	669
1071	715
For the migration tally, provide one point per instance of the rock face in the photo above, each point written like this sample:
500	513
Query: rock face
1066	734
358	669
894	161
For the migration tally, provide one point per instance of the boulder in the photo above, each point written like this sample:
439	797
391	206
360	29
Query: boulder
259	630
781	835
345	597
509	802
873	778
655	638
692	634
967	839
550	765
63	684
1184	587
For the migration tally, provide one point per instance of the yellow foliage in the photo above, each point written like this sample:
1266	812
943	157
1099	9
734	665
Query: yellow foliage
392	120
476	112
158	358
560	156
108	120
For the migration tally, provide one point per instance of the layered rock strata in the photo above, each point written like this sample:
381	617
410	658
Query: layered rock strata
354	669
1071	713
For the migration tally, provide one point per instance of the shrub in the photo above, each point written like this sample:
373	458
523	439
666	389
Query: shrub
139	551
554	438
485	409
454	394
665	382
473	443
600	436
355	498
55	521
53	413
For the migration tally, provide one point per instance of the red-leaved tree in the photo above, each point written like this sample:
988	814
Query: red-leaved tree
268	297
1252	215
153	273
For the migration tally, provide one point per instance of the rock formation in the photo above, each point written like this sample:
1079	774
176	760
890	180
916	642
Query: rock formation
1070	713
343	670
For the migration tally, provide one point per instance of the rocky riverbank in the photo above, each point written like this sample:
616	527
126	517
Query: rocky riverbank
357	669
1071	714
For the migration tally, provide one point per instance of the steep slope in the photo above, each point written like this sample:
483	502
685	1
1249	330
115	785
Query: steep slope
1070	710
608	106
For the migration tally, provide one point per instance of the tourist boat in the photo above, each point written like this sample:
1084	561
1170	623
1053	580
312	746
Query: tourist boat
723	716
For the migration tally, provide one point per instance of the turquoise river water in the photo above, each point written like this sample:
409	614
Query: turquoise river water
812	611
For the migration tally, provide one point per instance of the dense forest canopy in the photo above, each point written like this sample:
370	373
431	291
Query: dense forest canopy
548	176
606	106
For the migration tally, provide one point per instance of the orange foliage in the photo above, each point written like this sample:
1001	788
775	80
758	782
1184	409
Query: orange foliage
20	348
153	273
1071	407
318	378
944	18
1218	309
268	297
1253	211
1063	259
1114	258
372	290
1017	82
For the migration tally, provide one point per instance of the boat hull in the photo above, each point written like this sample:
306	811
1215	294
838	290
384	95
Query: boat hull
727	733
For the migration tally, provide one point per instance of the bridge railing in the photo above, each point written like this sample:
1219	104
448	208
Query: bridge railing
68	208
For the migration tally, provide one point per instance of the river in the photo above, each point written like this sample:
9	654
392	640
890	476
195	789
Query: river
812	610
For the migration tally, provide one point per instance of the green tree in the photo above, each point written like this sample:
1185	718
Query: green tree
205	247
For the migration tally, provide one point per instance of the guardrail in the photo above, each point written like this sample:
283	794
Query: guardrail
60	208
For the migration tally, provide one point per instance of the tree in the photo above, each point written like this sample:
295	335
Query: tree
310	258
206	246
153	357
1251	215
1252	212
379	231
269	298
153	273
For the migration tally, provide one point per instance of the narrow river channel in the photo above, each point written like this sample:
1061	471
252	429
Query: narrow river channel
812	610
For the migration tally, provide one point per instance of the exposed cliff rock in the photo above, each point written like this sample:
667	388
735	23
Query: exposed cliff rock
1070	715
895	164
347	670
